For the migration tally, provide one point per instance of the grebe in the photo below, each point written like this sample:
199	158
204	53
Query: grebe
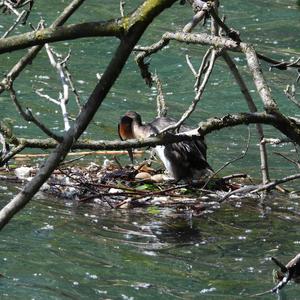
184	160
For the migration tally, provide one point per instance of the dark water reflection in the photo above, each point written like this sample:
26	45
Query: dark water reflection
66	251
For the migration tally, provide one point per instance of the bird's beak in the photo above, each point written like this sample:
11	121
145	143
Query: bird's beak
130	153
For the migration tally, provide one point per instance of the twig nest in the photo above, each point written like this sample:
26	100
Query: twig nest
45	187
145	168
125	204
23	172
115	191
109	165
159	200
159	178
93	167
143	176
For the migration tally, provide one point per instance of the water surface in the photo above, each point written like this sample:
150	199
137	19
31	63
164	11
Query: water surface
56	249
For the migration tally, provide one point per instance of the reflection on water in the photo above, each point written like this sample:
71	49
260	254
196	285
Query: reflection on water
68	251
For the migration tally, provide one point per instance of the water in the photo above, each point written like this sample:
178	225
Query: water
56	249
65	251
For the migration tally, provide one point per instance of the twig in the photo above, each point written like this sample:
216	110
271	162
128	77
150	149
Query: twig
38	92
203	67
259	188
197	18
232	176
243	190
273	141
83	183
277	64
29	117
71	160
290	92
118	162
231	33
285	65
244	152
11	7
18	20
31	54
72	87
272	184
81	153
200	91
252	107
160	99
63	97
12	153
150	194
295	162
122	5
189	63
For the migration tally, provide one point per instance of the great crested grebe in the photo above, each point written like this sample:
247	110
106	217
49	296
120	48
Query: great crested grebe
183	160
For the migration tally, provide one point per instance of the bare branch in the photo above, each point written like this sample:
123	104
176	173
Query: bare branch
31	54
10	154
290	92
295	162
278	64
273	141
203	68
147	11
197	18
64	97
28	116
18	20
122	5
68	32
243	154
38	92
72	87
274	183
162	109
189	63
200	91
252	107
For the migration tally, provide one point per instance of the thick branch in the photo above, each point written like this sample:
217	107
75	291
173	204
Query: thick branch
252	107
204	128
147	12
261	85
62	33
286	126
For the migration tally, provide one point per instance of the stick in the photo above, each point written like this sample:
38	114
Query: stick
136	152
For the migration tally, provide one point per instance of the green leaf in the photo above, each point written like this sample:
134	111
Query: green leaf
154	210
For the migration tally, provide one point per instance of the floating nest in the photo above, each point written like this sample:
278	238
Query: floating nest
116	186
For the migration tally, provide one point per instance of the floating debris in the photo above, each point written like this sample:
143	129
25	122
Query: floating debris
125	187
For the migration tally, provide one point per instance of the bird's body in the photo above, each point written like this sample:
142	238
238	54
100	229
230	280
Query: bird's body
184	160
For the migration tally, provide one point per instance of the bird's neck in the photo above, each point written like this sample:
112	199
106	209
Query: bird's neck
141	131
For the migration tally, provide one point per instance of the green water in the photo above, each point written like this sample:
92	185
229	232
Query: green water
56	249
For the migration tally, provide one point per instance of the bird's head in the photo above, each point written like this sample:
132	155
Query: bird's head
125	127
